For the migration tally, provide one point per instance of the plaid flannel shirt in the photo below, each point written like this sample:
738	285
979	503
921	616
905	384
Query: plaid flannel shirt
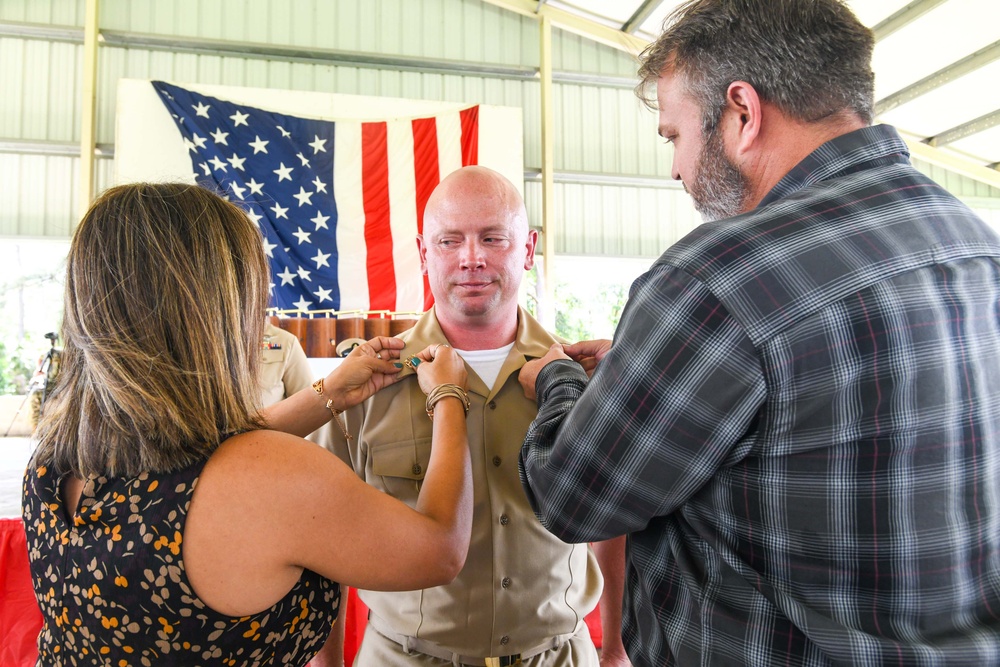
798	426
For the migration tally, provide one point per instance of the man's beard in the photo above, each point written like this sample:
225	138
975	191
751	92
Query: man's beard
720	189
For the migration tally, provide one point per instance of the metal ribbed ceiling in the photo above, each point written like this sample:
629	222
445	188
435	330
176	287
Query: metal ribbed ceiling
937	65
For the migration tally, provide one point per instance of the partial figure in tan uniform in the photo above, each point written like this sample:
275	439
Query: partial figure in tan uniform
523	594
284	368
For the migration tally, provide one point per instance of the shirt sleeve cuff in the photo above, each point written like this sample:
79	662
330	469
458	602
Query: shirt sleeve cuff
561	373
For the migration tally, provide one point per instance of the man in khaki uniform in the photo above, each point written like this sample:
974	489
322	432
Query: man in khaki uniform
522	596
284	368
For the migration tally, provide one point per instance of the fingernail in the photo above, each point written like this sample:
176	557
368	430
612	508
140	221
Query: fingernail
397	364
415	361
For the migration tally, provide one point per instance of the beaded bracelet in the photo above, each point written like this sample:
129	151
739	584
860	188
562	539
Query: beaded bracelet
318	388
443	391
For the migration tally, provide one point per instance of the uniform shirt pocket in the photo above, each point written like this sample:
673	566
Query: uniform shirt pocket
402	466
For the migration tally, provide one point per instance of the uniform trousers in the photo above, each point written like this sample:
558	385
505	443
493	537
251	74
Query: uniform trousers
379	651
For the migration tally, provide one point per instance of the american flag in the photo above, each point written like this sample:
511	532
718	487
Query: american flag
338	203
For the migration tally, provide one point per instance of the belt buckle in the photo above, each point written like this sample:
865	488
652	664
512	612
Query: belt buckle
504	660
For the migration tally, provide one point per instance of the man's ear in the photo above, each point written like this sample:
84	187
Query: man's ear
422	251
529	246
742	116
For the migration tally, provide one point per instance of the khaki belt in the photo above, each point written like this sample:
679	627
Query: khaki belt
415	644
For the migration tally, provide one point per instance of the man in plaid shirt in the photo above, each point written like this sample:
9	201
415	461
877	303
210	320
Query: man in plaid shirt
797	425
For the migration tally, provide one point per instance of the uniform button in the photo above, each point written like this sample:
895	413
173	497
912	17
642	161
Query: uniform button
505	582
504	640
504	519
493	405
496	461
416	468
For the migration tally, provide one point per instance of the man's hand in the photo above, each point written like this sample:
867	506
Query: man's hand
611	558
608	660
588	352
529	372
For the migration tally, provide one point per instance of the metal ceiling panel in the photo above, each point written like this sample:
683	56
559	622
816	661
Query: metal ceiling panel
604	12
921	41
950	105
872	13
984	143
947	33
55	12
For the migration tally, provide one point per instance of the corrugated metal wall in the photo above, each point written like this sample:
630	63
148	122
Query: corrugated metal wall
613	193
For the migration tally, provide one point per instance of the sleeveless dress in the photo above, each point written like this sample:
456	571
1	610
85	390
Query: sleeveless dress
112	588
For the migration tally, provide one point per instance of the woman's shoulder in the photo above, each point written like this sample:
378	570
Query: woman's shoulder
265	447
265	462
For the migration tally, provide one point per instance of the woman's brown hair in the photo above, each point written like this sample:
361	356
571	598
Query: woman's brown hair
166	286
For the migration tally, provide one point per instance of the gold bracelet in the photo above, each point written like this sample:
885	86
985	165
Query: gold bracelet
443	391
318	388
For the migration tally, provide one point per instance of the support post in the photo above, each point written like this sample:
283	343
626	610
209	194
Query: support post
88	118
546	308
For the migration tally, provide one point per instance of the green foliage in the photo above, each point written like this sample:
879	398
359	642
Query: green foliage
31	285
591	315
572	318
529	287
580	313
15	369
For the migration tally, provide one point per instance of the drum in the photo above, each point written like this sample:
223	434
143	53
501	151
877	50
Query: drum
376	326
350	326
398	326
320	335
295	326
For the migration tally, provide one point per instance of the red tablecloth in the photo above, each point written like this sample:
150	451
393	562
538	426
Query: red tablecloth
20	618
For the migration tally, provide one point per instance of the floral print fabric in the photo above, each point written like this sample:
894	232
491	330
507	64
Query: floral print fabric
111	584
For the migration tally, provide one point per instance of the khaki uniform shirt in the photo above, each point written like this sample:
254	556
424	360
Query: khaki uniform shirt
520	585
284	371
284	368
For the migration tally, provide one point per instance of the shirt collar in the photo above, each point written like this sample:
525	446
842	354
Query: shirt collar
842	155
530	341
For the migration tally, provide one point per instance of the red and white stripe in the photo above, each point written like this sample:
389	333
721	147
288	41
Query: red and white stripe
384	172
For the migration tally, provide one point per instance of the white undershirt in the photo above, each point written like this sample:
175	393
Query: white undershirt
486	363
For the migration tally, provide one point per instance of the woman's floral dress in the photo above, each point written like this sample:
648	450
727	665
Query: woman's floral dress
111	584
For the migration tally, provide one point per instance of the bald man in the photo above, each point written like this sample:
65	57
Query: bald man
523	593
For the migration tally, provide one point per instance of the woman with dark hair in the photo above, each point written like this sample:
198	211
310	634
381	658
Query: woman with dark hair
169	519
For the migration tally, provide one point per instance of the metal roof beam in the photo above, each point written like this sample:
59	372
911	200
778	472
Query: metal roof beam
578	25
981	124
644	11
954	163
904	17
224	48
221	47
958	69
43	31
52	148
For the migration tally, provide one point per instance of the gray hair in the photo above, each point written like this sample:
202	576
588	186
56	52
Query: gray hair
810	58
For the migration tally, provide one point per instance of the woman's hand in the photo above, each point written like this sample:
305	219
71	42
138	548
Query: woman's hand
368	368
439	364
